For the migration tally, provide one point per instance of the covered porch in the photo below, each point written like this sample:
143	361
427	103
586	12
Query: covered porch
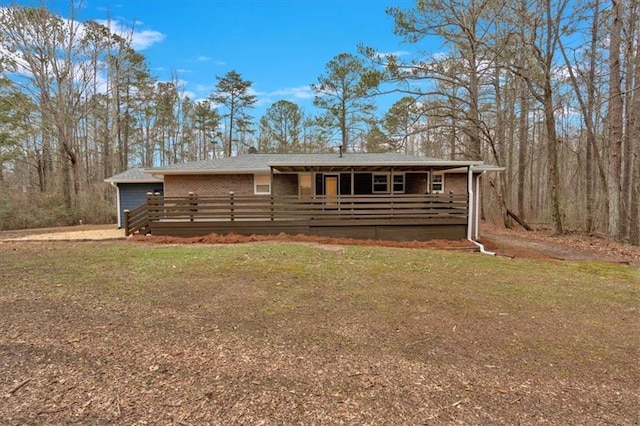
364	196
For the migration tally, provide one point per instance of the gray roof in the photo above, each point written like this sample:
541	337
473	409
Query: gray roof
135	175
262	163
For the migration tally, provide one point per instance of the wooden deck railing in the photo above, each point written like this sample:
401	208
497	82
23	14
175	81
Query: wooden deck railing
419	207
136	220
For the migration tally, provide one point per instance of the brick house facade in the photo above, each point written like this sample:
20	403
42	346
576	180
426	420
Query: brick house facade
284	184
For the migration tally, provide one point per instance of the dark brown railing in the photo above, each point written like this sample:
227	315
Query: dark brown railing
425	207
136	220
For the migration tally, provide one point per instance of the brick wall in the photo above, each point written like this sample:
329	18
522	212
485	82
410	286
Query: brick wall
415	183
181	185
211	185
285	184
455	182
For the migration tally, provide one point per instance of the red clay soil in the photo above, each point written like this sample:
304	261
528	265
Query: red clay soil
300	238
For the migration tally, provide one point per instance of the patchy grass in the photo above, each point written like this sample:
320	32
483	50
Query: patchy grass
128	333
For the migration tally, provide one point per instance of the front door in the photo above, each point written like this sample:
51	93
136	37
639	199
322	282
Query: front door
331	190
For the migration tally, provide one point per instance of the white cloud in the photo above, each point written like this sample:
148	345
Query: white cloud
143	39
205	58
293	94
395	54
300	92
140	39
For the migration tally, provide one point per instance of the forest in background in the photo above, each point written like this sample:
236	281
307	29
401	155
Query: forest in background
548	89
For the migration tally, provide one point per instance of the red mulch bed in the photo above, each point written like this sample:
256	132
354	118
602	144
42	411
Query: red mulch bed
300	238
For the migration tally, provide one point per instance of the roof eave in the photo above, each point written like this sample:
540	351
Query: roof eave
147	180
205	171
443	163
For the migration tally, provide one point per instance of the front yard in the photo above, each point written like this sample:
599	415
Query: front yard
126	332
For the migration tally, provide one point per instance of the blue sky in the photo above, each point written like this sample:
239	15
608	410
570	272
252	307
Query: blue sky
282	46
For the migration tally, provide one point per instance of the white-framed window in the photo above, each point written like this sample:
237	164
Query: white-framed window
380	183
398	183
437	183
261	184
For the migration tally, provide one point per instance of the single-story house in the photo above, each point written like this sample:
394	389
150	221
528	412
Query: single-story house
359	195
132	187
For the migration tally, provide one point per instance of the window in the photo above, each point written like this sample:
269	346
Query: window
437	183
380	183
304	184
398	183
262	184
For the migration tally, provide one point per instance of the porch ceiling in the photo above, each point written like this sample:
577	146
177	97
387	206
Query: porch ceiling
364	163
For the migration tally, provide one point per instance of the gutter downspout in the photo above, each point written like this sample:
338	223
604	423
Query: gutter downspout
473	215
115	185
477	227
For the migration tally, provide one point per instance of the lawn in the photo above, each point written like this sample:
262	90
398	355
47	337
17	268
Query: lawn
280	333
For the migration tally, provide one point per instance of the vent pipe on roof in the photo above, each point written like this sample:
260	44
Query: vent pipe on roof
340	150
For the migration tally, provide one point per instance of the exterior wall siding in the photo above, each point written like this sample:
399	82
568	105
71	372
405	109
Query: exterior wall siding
133	195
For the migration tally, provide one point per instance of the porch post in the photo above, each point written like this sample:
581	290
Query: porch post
151	206
271	180
126	221
391	180
193	203
353	173
313	183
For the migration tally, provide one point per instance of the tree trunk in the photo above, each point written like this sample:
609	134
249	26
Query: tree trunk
552	153
634	135
499	150
550	123
627	144
475	151
65	179
523	136
615	119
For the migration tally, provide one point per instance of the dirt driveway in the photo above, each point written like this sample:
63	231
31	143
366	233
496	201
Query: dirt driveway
66	233
572	247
